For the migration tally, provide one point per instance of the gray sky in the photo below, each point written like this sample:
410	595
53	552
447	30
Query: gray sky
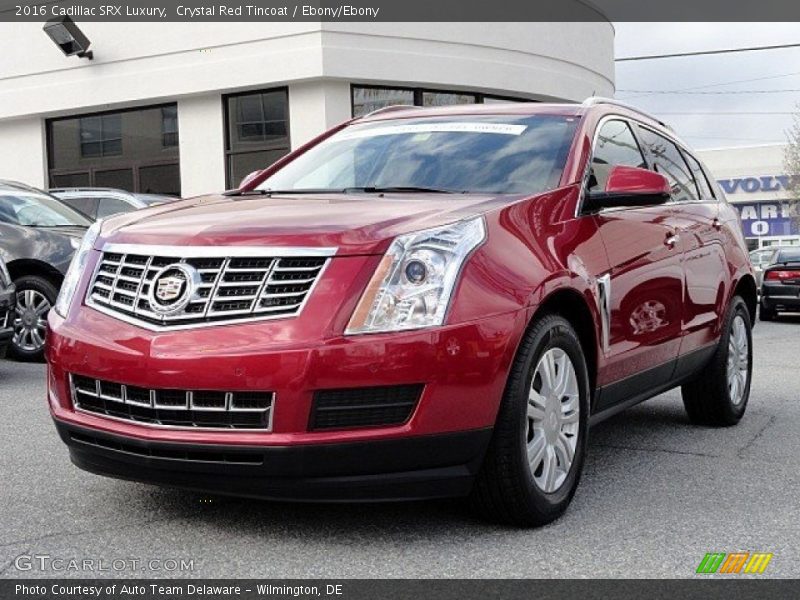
781	67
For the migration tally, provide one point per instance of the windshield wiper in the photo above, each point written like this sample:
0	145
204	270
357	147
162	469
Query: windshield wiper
401	189
259	192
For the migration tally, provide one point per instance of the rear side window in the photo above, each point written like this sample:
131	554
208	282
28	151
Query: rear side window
615	145
87	206
112	206
668	161
700	177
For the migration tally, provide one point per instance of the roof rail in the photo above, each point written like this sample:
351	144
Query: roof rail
594	100
390	108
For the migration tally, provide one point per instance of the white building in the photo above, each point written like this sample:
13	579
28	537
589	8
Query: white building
191	108
754	180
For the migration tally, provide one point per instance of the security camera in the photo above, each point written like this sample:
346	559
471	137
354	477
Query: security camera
68	36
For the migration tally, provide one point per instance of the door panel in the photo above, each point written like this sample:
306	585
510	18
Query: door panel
645	294
705	268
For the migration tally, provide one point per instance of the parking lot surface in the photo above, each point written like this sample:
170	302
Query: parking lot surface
657	494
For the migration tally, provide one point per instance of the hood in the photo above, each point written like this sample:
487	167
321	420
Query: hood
353	223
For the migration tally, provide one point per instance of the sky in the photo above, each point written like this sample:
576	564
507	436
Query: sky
774	70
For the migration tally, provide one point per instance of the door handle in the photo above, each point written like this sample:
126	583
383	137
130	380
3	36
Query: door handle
671	240
716	223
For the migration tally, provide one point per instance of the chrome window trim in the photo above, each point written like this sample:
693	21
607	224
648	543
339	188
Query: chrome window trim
268	429
180	252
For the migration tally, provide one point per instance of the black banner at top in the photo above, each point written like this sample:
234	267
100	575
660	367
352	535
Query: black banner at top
401	10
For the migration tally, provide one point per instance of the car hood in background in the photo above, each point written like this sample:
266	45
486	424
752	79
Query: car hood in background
354	223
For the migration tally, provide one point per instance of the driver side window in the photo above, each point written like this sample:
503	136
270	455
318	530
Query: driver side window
615	145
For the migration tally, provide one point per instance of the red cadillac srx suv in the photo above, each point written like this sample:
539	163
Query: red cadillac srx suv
419	303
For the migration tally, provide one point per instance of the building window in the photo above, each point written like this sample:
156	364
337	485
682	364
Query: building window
134	150
257	131
101	135
169	126
366	98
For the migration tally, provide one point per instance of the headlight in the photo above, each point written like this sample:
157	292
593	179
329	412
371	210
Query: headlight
412	285
75	270
5	276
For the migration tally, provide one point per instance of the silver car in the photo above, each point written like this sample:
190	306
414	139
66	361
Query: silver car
97	203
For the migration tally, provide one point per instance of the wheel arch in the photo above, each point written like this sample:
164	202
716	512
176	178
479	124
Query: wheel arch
575	308
746	288
31	266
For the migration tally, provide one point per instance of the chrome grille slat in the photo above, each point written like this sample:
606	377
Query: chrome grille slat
233	284
181	409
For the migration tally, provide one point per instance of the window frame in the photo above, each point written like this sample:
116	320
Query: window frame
634	133
229	153
419	92
681	152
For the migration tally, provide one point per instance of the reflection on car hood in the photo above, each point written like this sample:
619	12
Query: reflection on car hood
354	223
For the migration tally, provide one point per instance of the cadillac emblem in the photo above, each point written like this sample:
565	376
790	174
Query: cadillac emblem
172	288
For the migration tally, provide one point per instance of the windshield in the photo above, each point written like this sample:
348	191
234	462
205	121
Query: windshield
33	209
497	154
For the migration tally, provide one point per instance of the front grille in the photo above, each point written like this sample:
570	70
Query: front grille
209	286
364	407
173	408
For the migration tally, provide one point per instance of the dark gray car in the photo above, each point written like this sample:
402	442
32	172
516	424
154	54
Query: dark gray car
38	236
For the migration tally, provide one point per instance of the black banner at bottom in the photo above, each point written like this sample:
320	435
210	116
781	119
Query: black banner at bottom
395	589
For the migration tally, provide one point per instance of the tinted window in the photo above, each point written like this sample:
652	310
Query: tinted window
492	154
87	206
27	207
699	177
113	206
615	146
367	99
788	255
258	132
668	161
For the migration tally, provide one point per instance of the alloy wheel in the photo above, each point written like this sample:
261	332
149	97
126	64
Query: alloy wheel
30	320
553	418
738	360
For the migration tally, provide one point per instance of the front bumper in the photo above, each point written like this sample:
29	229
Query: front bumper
399	469
8	300
435	453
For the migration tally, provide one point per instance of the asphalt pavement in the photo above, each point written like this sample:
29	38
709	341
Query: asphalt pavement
657	494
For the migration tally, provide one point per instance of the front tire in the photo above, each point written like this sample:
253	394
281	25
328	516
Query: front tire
718	397
35	297
534	461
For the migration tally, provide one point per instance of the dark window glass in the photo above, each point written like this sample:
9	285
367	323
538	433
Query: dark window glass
70	180
121	179
615	145
116	149
498	154
788	255
160	179
367	99
706	192
32	208
113	206
169	126
257	133
101	135
668	161
447	98
87	206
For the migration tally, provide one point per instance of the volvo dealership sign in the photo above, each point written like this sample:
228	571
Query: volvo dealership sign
765	218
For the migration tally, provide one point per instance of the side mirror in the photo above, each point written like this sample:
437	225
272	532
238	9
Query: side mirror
629	186
249	178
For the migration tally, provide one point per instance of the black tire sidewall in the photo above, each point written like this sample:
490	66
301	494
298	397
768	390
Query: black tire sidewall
558	334
49	291
738	307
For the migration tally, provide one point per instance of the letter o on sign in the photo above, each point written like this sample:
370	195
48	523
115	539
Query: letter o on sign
759	228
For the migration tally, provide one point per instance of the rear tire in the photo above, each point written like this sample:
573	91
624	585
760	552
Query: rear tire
766	314
718	397
534	461
35	296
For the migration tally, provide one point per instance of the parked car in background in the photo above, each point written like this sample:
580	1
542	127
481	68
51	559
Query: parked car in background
780	289
760	259
419	303
98	203
38	236
7	301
